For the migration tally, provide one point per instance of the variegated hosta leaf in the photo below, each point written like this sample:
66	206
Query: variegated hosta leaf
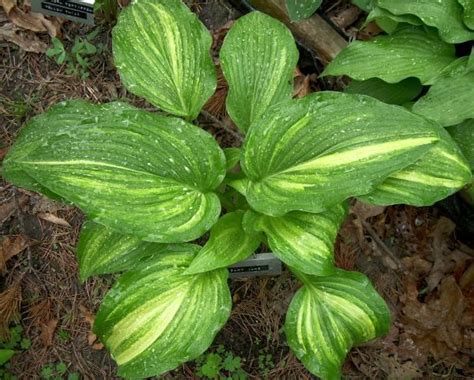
450	100
458	67
137	172
302	240
329	315
258	58
155	318
366	5
438	174
444	15
408	52
312	153
232	157
161	51
101	250
388	21
391	93
300	9
468	13
227	245
463	134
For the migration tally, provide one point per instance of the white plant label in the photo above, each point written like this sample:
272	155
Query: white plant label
261	264
75	10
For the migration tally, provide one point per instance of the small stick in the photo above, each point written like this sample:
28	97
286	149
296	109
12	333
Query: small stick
22	230
222	125
382	245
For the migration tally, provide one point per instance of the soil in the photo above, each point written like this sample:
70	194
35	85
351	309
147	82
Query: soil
419	262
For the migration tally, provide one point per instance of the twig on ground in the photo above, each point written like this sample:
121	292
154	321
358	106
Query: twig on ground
222	125
381	244
22	230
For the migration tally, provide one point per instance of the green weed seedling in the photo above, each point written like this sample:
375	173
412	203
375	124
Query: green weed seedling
151	184
221	365
80	57
14	344
57	371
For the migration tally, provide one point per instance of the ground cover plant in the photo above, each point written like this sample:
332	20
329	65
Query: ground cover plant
149	183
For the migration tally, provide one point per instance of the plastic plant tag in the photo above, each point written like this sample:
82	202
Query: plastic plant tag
75	10
261	264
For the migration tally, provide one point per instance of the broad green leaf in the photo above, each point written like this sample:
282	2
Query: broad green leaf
458	67
301	9
101	250
408	52
227	245
155	318
366	5
232	157
329	315
463	134
258	58
5	355
302	240
444	15
391	93
161	51
312	153
468	12
438	174
137	172
388	21
450	100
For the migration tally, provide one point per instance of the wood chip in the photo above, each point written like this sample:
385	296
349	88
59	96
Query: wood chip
53	219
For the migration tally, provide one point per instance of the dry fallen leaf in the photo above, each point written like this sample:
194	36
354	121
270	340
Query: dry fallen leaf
11	246
302	86
442	324
53	219
36	22
10	302
91	337
9	207
445	260
41	312
28	21
365	211
47	332
25	40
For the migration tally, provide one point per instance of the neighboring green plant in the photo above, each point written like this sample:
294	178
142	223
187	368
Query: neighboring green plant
64	336
80	58
418	56
57	371
15	343
220	364
265	362
150	183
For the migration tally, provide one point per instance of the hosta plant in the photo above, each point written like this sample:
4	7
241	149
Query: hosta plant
151	183
416	64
